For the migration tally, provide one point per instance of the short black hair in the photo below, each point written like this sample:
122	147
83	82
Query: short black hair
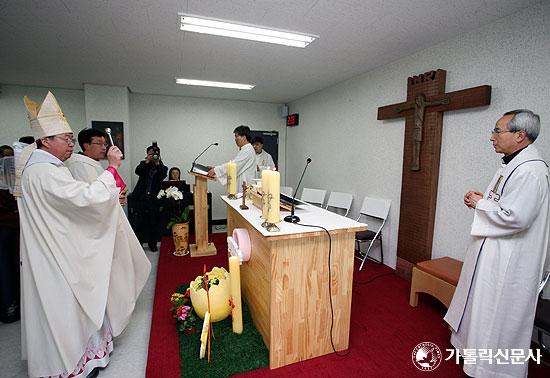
86	135
4	148
243	130
258	139
27	139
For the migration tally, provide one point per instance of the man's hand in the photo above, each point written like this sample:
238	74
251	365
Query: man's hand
471	198
211	173
122	197
114	156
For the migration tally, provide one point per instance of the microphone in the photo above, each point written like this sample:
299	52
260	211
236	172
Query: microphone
213	144
294	218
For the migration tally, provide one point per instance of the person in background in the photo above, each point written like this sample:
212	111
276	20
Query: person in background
78	290
85	166
145	205
493	307
263	158
9	241
245	159
174	174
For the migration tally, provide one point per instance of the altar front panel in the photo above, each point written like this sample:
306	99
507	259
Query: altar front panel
286	286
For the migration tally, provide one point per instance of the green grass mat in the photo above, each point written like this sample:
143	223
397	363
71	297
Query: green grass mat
229	353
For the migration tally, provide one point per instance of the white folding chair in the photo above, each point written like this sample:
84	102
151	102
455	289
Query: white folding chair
377	209
287	190
339	200
314	196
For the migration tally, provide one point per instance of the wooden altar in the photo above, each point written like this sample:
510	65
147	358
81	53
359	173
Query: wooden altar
286	281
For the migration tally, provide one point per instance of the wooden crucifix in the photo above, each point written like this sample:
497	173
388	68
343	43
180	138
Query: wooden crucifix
423	112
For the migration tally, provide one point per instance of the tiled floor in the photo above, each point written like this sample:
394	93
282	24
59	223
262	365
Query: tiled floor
129	357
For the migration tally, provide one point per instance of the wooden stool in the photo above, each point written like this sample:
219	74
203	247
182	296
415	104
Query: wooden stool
437	277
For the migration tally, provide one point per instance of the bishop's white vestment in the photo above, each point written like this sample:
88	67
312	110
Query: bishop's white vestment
72	279
494	303
246	167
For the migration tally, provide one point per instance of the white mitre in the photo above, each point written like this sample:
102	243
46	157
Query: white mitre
46	120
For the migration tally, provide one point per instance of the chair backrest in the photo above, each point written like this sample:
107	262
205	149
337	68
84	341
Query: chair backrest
340	200
375	207
314	196
287	190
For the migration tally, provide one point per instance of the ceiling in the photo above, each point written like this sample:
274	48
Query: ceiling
137	43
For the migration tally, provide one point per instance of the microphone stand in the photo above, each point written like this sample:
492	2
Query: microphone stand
194	161
294	218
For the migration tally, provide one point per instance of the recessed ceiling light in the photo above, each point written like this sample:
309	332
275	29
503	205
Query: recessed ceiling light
218	84
204	25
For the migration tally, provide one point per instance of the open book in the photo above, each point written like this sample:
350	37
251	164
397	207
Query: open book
200	169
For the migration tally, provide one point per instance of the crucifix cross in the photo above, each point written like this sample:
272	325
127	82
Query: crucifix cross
423	112
419	107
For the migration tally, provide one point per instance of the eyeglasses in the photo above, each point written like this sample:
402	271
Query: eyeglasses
68	140
101	144
496	131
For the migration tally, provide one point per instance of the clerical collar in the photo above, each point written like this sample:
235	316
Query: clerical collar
508	158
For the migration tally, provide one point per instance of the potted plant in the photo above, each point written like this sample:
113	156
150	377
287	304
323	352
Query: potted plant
179	222
183	312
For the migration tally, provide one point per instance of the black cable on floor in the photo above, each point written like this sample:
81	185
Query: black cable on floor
329	288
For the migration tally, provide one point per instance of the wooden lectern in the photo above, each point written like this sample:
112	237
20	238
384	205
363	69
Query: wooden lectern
202	246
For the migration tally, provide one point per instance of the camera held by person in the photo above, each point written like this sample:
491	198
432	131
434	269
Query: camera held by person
153	154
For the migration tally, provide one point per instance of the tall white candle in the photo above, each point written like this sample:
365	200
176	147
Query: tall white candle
237	313
232	177
265	188
273	215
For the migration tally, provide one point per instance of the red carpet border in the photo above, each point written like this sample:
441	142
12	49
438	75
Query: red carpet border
384	328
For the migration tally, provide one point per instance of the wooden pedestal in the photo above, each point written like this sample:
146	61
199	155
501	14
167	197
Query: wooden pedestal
201	247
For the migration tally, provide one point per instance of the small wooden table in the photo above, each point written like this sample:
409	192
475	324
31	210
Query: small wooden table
286	281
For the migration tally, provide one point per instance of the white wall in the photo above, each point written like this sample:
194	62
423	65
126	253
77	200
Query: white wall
354	152
13	114
185	126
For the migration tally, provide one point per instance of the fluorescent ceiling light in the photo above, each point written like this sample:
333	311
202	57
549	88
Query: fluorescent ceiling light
219	84
203	25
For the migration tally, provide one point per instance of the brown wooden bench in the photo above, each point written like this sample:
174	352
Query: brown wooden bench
437	277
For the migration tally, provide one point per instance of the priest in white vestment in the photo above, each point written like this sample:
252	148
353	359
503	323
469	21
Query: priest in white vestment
245	160
493	307
77	292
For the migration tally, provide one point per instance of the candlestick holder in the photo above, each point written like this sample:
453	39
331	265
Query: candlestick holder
271	227
243	204
265	203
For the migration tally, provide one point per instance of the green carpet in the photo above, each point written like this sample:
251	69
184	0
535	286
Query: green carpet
229	353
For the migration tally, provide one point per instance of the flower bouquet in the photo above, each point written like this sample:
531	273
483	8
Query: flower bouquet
183	312
179	222
174	196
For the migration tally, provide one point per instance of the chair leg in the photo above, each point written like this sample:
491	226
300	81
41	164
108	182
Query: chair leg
364	259
381	250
